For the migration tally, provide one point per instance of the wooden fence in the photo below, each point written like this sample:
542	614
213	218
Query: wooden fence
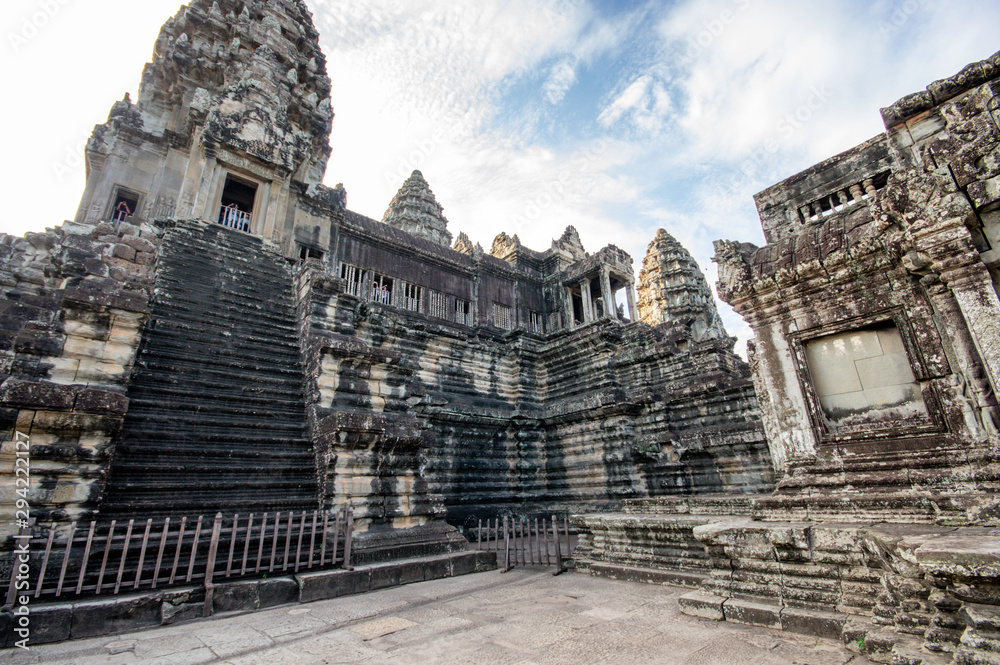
526	542
78	560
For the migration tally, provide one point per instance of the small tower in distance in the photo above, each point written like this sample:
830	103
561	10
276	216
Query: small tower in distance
672	289
415	210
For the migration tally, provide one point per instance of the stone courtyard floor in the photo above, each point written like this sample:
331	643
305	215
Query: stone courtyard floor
523	617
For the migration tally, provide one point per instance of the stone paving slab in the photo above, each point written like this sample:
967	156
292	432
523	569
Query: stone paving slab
524	617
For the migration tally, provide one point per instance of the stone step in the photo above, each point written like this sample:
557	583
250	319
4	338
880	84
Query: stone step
260	397
217	418
226	321
189	388
180	399
180	345
290	411
211	422
149	431
256	286
223	372
212	455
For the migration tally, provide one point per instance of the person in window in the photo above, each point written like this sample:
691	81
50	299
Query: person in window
122	211
376	293
385	295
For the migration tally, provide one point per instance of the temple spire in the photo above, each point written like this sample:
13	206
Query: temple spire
672	289
415	210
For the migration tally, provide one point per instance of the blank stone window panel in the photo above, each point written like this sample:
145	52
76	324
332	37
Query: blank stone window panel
864	381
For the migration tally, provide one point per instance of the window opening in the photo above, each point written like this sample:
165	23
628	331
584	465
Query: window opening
438	304
381	289
463	312
236	208
126	204
355	278
409	297
503	317
577	308
536	322
309	253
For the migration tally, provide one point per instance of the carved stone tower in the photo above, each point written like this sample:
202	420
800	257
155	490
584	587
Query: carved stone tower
415	210
232	112
672	289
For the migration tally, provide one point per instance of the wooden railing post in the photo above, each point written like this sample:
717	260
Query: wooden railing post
506	546
213	550
559	558
348	536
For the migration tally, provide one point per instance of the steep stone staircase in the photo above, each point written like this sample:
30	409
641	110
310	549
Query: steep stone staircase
217	418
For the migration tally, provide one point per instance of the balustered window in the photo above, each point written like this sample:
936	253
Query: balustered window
355	278
503	316
463	312
408	297
437	304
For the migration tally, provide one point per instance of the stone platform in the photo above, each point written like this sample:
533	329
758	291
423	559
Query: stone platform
923	585
521	617
129	613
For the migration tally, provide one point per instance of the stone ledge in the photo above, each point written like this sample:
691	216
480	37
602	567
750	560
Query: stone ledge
123	614
689	579
702	605
813	622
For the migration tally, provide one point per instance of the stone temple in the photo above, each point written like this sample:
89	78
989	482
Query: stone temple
217	332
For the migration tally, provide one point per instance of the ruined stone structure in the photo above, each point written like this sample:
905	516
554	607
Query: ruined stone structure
875	313
216	331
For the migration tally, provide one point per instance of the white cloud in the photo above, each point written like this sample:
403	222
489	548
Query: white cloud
644	104
418	84
561	79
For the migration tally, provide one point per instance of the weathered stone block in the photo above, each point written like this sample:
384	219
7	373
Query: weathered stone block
124	252
51	623
14	392
810	622
702	605
39	343
139	244
409	572
235	597
277	591
752	614
387	576
331	584
104	617
95	400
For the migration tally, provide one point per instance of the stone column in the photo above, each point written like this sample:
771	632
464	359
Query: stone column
588	304
960	341
609	303
980	307
630	294
568	296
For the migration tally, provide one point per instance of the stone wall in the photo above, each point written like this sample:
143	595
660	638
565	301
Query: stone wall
74	304
885	244
501	422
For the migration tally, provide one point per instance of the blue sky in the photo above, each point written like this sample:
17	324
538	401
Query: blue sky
528	115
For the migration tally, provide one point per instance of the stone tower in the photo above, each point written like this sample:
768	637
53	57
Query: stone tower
415	210
233	113
672	289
